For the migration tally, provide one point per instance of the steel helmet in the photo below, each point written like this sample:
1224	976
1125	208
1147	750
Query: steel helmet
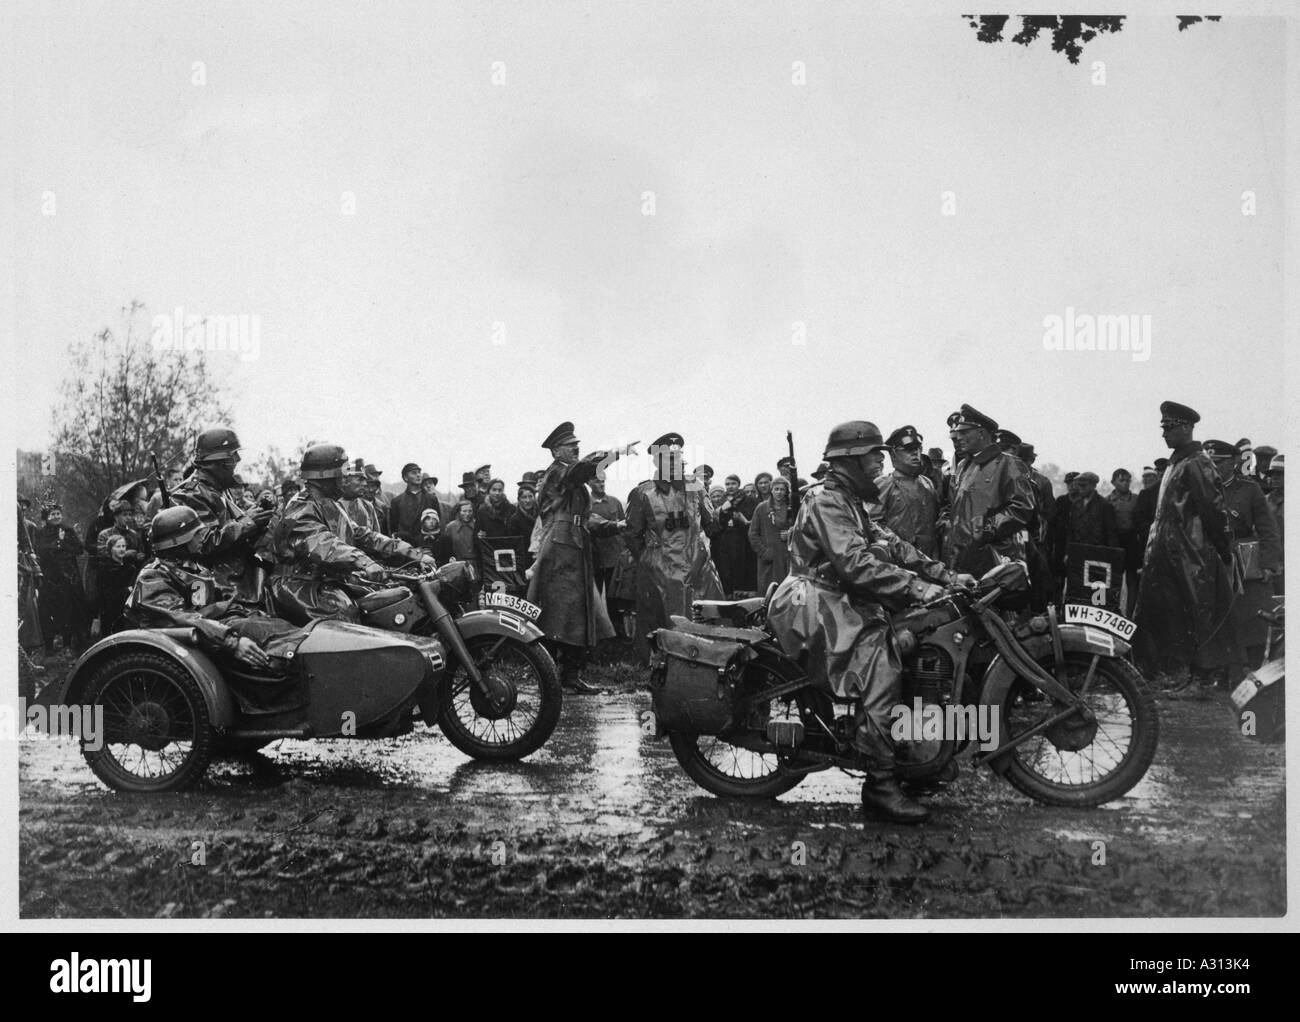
173	527
323	461
850	438
215	444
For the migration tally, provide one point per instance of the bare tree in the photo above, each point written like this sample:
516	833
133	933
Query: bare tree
124	402
273	466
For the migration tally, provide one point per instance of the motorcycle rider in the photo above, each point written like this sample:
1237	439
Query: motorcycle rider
846	574
230	532
176	590
315	542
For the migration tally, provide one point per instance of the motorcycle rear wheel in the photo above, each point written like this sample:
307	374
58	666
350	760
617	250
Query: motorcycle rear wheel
532	718
729	770
156	735
1128	729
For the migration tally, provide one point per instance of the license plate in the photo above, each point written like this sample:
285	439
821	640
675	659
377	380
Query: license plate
1244	693
1100	617
505	601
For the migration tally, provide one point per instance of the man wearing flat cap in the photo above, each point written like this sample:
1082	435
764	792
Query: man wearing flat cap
407	508
1256	551
992	503
847	574
563	581
666	524
1184	600
908	504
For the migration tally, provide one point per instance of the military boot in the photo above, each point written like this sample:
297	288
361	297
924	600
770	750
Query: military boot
571	679
881	796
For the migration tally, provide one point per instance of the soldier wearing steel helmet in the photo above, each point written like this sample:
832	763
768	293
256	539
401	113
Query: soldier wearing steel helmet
847	573
176	589
315	543
229	532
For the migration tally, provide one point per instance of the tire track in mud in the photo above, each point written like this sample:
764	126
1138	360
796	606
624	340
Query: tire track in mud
1207	838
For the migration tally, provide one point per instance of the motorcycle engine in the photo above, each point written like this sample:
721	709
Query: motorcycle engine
931	675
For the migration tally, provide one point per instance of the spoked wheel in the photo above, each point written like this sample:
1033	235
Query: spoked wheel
156	733
529	699
1076	762
739	771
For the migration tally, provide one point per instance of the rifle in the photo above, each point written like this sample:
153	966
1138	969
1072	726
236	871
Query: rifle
162	483
795	495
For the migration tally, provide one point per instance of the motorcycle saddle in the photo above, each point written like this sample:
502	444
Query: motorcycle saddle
372	602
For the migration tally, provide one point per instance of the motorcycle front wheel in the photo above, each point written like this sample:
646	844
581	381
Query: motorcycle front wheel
156	735
1074	763
734	771
523	725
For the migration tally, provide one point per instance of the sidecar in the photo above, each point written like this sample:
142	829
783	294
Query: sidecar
161	707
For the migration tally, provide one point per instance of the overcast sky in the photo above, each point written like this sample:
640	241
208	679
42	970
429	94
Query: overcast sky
499	273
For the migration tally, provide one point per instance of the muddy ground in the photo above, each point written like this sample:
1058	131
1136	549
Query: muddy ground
602	822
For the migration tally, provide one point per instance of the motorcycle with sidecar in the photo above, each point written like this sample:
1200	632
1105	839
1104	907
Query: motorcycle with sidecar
483	676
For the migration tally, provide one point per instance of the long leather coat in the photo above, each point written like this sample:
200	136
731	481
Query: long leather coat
992	507
1184	602
564	581
847	574
666	524
230	534
315	543
909	507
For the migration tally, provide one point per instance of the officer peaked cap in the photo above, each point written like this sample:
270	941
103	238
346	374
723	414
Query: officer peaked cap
904	436
561	435
1178	413
967	416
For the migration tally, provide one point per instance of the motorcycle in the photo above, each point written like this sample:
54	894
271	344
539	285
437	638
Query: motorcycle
1075	724
1260	699
504	698
168	707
